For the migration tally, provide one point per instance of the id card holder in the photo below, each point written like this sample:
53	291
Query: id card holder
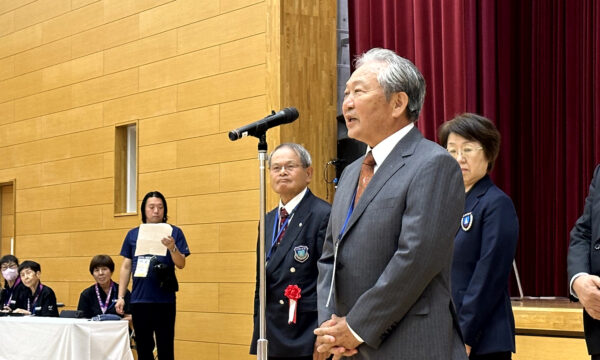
141	270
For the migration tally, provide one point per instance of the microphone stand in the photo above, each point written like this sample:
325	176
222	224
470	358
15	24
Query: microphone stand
262	342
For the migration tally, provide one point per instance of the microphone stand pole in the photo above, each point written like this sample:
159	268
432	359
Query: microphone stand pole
262	342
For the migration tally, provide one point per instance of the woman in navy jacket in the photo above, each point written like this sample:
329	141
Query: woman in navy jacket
485	244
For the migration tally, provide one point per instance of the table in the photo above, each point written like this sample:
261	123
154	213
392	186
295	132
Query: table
46	338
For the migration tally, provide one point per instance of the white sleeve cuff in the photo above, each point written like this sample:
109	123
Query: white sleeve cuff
355	334
570	284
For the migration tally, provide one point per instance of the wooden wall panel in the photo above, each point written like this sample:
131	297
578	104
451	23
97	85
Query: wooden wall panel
221	207
213	31
73	22
215	328
190	66
39	11
7	67
105	37
238	236
105	88
73	71
149	161
193	151
7	112
21	40
180	125
69	121
140	52
175	14
237	113
92	192
117	9
221	88
40	57
187	72
238	352
183	182
140	105
193	349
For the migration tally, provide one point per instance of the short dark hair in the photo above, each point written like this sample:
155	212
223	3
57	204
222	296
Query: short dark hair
474	127
155	194
302	153
8	259
29	264
102	261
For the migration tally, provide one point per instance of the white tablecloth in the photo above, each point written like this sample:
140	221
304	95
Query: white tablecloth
43	338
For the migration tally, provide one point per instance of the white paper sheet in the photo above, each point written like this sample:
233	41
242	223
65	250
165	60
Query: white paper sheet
149	237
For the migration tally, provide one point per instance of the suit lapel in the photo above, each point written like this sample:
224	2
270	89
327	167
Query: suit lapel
478	190
392	164
301	215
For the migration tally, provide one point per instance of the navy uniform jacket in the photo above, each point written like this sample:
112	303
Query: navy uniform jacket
306	228
481	266
584	254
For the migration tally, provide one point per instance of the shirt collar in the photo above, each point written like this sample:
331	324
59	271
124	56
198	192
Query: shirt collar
385	147
291	205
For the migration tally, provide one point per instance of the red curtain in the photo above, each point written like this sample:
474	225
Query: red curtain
533	67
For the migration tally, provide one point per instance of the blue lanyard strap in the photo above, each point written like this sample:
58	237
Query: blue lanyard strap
350	210
276	236
337	244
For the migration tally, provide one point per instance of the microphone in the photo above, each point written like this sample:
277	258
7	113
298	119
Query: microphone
257	128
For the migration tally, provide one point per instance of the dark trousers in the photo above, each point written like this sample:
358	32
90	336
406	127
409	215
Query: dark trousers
493	356
150	320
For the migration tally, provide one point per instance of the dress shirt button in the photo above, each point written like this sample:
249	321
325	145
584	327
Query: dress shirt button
281	302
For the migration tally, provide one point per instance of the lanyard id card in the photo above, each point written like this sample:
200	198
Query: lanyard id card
143	263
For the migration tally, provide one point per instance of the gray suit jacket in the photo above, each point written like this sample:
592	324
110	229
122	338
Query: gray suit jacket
393	261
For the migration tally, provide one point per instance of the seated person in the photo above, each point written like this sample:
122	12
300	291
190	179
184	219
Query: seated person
37	299
101	297
12	282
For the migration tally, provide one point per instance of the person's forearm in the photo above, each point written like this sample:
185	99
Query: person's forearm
177	257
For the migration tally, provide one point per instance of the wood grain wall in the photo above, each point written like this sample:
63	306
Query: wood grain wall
187	71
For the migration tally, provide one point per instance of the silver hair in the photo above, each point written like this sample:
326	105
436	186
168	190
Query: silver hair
298	149
398	75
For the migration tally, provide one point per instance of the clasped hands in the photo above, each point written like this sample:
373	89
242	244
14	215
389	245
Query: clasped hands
587	288
334	337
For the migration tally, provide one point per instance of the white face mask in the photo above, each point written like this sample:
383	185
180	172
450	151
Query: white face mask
10	274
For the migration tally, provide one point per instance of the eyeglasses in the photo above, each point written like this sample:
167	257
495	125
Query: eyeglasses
466	152
8	266
275	168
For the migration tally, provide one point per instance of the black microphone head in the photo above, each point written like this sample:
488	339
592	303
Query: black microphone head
234	135
291	114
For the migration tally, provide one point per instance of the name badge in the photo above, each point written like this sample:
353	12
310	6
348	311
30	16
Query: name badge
143	263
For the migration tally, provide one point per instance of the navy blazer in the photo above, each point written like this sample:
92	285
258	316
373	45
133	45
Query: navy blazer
584	254
288	266
484	249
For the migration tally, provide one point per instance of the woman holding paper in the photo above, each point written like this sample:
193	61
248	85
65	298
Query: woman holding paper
154	282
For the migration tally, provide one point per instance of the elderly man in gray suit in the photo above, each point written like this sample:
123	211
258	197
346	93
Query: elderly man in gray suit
383	286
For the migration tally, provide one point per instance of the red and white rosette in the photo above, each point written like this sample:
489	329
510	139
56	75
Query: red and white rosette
292	292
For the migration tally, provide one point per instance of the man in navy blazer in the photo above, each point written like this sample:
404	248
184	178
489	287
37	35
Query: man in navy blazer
293	245
583	266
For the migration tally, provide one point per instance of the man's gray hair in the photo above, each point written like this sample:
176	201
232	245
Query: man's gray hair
400	75
298	149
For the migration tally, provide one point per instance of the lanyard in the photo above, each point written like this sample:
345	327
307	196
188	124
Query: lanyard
337	243
12	291
104	306
29	303
275	237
